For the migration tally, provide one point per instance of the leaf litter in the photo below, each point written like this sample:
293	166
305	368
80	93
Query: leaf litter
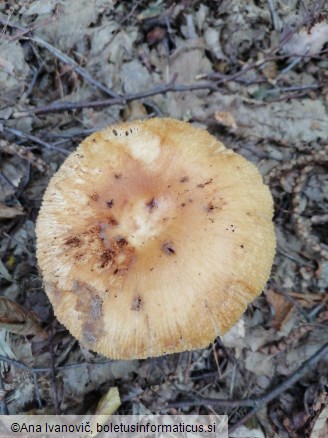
254	74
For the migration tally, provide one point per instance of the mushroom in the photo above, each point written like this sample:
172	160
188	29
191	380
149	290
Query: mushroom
152	238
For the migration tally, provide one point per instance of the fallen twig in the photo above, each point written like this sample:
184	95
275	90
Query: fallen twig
259	402
58	54
35	139
160	89
23	30
22	366
75	66
277	24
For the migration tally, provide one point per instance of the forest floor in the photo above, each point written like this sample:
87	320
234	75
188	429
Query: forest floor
255	74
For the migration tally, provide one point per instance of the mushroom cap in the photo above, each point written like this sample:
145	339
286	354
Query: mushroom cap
152	238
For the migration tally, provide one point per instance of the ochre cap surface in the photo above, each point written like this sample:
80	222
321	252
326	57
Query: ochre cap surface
152	238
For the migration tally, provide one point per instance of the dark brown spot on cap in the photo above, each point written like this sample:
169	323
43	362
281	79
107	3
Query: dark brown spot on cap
121	241
201	186
168	248
184	179
117	175
75	242
106	257
153	203
112	221
136	304
94	196
110	203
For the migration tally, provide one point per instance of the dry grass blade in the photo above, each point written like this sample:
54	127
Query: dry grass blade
109	402
9	212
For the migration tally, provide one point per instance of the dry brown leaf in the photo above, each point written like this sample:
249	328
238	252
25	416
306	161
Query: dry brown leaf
226	119
323	317
135	76
308	300
320	428
7	66
134	110
308	42
285	121
9	212
270	70
155	35
235	337
212	40
260	364
189	61
14	71
16	319
75	17
282	309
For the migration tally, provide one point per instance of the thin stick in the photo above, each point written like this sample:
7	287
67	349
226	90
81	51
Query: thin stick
275	18
24	153
160	89
122	100
258	402
24	31
60	55
35	139
75	66
22	366
292	301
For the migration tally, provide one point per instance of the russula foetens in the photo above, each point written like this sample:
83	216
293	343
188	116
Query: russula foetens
152	238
